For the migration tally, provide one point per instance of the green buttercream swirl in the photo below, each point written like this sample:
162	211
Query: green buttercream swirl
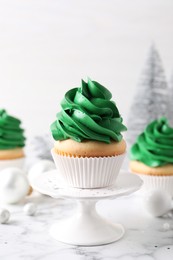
11	134
88	113
154	147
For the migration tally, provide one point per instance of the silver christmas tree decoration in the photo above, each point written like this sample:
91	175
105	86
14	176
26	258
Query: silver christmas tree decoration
151	99
170	100
39	148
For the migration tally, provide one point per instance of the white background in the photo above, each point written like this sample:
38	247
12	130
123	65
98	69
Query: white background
47	46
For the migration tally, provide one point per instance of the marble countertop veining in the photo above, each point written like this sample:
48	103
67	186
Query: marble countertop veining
27	237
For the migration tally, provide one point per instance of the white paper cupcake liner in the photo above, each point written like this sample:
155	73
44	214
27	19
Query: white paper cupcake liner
95	172
157	182
19	163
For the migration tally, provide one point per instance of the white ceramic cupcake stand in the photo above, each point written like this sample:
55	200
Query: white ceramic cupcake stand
86	227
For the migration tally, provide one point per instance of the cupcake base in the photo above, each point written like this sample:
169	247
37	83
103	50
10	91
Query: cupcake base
93	172
157	183
160	178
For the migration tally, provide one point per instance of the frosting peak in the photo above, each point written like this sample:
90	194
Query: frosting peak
11	134
88	113
154	147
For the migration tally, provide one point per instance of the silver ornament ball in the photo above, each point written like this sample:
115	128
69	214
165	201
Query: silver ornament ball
157	202
30	209
166	226
14	185
4	216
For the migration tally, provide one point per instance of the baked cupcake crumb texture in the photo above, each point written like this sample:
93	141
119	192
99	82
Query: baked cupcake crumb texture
141	168
87	148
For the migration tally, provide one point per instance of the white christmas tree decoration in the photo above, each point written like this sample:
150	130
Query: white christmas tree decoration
170	108
39	147
151	99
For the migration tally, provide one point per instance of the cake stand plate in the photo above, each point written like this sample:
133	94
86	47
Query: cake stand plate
86	227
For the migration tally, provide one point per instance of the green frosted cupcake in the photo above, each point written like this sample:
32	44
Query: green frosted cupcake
152	155
12	141
88	131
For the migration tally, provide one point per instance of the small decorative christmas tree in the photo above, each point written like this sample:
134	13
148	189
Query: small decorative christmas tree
170	108
39	148
151	99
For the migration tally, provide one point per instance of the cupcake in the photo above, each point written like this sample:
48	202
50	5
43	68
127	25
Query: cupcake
12	141
152	156
89	148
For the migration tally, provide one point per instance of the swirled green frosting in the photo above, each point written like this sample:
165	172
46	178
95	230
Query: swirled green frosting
154	147
11	134
88	113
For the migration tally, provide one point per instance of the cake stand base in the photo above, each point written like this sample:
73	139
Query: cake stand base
86	227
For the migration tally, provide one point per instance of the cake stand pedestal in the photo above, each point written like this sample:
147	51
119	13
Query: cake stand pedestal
86	227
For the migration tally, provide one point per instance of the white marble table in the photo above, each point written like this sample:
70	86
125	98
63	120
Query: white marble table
26	237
